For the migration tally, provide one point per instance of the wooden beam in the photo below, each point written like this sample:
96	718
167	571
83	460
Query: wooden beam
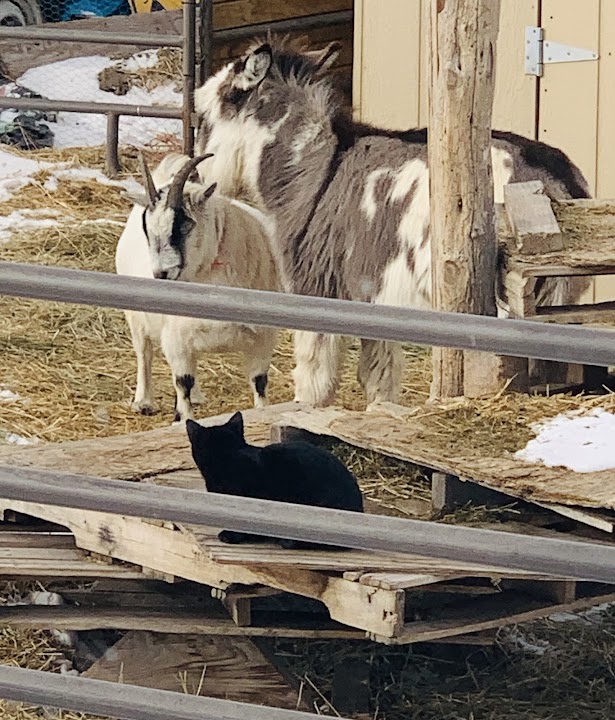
531	218
463	234
449	492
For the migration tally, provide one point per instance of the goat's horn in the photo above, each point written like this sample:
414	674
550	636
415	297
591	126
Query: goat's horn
149	181
176	191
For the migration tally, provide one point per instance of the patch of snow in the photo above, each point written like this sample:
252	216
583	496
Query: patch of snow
14	439
516	640
582	443
82	173
85	129
591	615
140	60
18	220
16	172
6	394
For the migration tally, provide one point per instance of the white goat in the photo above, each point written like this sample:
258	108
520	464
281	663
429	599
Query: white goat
180	230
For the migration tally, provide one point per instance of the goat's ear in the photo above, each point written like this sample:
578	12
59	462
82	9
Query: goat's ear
325	58
196	199
236	424
255	68
136	197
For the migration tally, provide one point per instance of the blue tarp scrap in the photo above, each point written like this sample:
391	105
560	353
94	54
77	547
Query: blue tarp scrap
101	8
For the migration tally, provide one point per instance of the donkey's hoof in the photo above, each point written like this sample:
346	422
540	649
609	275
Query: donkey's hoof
143	407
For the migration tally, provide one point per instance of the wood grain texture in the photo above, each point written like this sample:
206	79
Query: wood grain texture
531	218
463	233
230	668
392	430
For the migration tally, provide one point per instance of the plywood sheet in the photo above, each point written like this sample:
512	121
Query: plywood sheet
392	430
230	668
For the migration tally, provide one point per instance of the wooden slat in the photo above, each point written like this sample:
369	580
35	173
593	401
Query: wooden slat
402	581
491	613
531	218
163	620
599	314
130	457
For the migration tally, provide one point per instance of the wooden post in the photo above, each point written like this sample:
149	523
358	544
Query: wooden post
463	238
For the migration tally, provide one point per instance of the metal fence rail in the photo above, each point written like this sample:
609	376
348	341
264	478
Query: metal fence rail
127	702
521	338
559	558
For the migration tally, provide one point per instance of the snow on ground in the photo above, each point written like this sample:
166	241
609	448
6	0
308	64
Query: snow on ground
77	79
16	172
582	443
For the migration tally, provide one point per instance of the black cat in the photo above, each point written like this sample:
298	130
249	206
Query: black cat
293	472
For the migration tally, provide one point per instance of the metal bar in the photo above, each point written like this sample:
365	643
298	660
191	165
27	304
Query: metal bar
521	338
31	32
112	160
311	22
554	557
127	702
90	107
189	69
206	35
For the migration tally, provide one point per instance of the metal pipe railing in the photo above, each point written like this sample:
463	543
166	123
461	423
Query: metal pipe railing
90	107
128	702
521	338
189	72
553	557
99	37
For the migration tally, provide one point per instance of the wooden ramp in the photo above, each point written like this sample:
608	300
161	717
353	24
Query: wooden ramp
390	597
398	432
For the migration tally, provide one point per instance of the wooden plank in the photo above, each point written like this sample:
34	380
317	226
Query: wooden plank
598	520
449	492
133	456
164	620
196	664
401	581
178	553
531	218
489	614
398	432
598	314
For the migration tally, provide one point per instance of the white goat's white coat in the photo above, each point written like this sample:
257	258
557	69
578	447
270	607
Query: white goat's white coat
229	245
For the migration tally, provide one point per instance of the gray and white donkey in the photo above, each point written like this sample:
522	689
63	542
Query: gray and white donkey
350	202
182	230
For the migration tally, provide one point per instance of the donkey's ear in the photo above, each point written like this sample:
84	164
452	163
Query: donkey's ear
325	58
255	68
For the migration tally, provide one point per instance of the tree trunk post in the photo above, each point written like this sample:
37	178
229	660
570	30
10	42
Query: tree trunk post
463	36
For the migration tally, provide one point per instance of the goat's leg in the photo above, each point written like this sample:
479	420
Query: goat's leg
179	352
318	364
144	350
380	370
257	367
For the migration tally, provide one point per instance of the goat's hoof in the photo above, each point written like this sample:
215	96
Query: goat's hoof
142	407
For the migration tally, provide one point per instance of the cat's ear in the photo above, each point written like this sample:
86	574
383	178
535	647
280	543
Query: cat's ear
194	430
236	424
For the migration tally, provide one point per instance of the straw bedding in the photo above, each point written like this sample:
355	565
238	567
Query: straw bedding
74	370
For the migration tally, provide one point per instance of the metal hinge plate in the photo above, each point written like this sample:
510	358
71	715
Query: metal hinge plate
539	52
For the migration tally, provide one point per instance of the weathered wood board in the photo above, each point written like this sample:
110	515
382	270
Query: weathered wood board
230	668
393	430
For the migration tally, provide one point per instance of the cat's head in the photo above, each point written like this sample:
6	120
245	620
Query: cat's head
211	445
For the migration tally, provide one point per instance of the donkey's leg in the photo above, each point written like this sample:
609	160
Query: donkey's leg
258	360
178	349
144	350
380	370
318	363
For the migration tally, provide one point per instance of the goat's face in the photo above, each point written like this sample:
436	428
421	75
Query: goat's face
170	216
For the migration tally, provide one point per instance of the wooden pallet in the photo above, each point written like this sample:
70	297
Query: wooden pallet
542	239
374	593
